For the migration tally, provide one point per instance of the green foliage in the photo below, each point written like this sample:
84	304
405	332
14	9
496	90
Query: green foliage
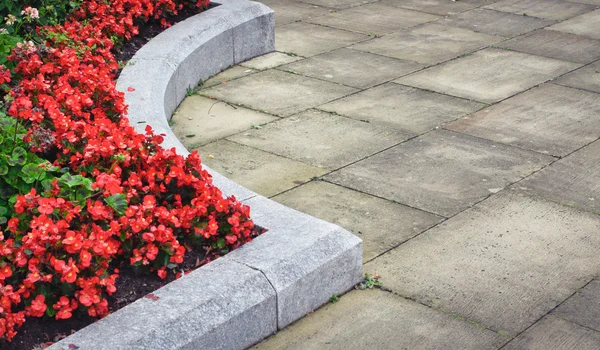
118	202
51	11
22	28
20	170
370	282
75	188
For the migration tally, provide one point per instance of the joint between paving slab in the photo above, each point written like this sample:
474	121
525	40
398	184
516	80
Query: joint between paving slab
550	312
446	312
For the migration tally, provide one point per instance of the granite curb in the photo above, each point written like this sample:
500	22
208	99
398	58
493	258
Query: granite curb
263	286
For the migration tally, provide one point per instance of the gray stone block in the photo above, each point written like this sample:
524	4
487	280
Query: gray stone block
255	37
147	99
307	260
223	305
201	63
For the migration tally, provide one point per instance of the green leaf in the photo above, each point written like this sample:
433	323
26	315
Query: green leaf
3	169
50	312
32	172
118	202
19	154
221	243
3	211
74	180
1	139
47	184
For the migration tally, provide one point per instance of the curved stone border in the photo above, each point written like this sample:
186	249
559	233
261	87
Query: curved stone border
240	299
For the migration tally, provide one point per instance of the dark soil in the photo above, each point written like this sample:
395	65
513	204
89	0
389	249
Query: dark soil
38	333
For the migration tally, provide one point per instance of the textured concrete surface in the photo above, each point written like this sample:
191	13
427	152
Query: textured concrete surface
583	308
353	68
495	23
321	139
589	2
279	93
587	78
226	75
411	172
487	235
381	224
557	334
402	107
489	75
259	171
306	39
554	44
270	60
549	119
338	4
573	180
377	18
428	44
587	25
548	9
376	319
436	7
287	12
490	264
200	120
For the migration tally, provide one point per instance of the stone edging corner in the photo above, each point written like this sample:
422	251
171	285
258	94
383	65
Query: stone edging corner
261	287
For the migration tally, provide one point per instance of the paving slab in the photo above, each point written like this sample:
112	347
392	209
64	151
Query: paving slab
554	44
293	11
200	120
278	92
436	7
270	60
503	263
587	78
549	9
556	334
495	22
489	75
321	139
377	319
262	172
441	172
338	4
549	119
585	25
306	39
381	224
353	68
573	180
402	107
376	18
225	76
590	2
583	308
428	44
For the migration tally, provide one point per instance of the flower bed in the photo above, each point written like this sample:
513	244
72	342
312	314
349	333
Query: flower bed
81	189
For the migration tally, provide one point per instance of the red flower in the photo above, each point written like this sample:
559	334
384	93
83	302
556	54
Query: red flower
38	306
5	272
